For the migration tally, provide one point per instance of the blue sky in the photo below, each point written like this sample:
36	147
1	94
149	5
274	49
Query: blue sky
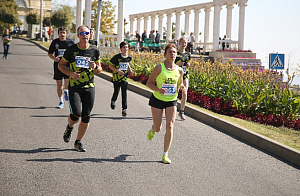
270	25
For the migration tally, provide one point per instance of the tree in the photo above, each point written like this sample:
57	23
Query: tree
63	16
8	14
47	21
107	23
32	18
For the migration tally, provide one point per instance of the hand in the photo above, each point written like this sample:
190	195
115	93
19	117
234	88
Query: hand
121	72
92	64
75	75
57	59
162	91
188	64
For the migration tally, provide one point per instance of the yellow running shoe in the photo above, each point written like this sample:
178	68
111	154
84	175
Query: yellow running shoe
151	135
165	159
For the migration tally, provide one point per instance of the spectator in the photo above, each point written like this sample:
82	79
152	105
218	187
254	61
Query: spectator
191	41
50	33
157	37
144	35
138	40
128	35
223	43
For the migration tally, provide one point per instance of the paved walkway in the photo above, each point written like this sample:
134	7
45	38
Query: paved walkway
119	160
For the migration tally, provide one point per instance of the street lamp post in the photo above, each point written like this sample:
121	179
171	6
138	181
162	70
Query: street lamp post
41	22
98	20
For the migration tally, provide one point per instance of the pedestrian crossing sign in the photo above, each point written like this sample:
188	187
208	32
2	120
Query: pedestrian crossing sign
276	61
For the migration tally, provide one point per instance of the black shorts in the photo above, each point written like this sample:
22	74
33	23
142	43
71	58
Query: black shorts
154	102
81	101
58	75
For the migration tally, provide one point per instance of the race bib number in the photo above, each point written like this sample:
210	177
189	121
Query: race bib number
81	61
6	37
170	89
61	52
123	66
184	69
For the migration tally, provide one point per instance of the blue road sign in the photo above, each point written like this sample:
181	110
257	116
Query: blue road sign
276	61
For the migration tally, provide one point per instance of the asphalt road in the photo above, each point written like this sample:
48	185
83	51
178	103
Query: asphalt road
34	159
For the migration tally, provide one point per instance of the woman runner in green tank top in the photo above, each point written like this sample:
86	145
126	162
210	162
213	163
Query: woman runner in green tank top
168	77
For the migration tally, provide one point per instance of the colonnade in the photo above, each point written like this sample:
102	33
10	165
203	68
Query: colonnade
197	8
160	14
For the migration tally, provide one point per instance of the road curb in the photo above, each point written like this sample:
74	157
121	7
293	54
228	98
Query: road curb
280	150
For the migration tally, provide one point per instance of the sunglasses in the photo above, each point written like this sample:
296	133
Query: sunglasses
82	33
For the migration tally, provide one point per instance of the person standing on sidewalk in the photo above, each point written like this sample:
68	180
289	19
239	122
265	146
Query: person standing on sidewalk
84	62
56	51
182	60
6	38
168	77
121	68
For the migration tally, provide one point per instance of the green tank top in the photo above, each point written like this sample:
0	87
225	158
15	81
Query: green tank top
167	80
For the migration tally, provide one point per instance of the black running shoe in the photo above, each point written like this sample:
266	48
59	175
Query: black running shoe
124	112
78	146
113	105
67	134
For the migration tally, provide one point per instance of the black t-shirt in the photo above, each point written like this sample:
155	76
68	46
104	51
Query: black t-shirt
118	60
183	57
58	47
78	59
93	42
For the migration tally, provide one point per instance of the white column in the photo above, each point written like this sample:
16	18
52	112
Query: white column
146	19
131	19
196	25
241	25
177	28
153	17
138	25
169	26
88	11
187	22
120	21
216	30
206	28
79	16
229	20
160	25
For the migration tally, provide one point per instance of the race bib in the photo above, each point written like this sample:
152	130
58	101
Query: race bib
170	89
61	52
81	61
6	37
123	66
184	69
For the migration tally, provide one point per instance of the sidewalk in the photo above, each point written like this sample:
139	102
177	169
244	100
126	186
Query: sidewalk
275	148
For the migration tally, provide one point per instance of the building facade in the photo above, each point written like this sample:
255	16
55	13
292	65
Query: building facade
32	6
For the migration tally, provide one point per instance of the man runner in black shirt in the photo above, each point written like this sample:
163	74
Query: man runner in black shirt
58	47
84	62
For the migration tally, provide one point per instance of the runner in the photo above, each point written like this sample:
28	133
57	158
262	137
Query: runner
84	62
168	77
121	68
92	41
6	38
182	59
58	47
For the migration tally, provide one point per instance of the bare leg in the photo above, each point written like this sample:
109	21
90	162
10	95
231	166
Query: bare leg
82	128
184	94
59	88
170	120
66	84
157	118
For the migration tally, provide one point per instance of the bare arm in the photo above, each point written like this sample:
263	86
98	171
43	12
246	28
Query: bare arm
180	81
112	67
62	67
51	56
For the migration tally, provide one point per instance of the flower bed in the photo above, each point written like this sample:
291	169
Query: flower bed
256	95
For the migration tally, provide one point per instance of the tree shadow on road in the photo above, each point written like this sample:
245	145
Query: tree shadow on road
24	107
33	151
119	159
